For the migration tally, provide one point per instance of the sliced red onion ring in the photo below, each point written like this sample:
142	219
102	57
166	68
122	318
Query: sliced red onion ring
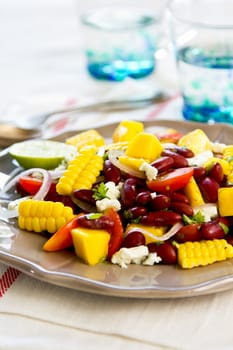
8	213
173	230
87	207
113	157
56	174
43	189
40	195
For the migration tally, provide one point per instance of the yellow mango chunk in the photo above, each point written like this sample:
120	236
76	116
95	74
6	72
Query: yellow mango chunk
225	199
191	190
197	141
144	145
157	231
126	130
131	162
90	245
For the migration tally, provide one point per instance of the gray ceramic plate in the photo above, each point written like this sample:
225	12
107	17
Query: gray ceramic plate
22	250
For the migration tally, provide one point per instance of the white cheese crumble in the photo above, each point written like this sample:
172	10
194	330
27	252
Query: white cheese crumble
113	190
209	211
106	203
135	255
152	259
150	172
153	195
111	200
200	159
218	147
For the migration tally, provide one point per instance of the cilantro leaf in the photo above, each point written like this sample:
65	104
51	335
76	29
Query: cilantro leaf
197	218
93	216
100	192
224	227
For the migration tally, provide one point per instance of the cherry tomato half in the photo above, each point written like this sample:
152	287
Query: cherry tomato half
30	184
172	181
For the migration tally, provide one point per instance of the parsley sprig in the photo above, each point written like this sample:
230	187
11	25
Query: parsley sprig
197	218
100	192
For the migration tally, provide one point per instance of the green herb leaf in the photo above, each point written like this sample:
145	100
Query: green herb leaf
100	192
224	227
136	220
93	216
197	218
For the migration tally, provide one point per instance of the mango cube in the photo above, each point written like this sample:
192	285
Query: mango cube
152	230
193	193
144	145
126	130
90	245
225	200
197	141
131	162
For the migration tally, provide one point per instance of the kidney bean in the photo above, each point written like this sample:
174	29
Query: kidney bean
209	189
111	172
214	229
134	238
134	212
160	218
179	160
84	195
163	163
182	208
179	197
165	250
189	233
160	202
103	222
143	198
183	151
199	172
216	173
128	193
229	239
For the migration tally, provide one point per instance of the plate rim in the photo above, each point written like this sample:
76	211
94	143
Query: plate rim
59	278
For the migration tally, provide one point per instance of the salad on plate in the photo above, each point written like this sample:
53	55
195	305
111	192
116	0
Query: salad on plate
144	197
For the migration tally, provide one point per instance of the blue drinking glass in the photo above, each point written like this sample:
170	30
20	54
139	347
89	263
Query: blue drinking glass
202	33
120	43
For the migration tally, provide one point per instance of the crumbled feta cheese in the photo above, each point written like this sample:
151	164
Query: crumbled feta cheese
134	255
113	191
200	159
153	195
208	211
150	172
106	203
152	259
218	147
111	199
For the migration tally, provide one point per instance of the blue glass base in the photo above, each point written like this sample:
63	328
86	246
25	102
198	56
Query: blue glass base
120	70
206	114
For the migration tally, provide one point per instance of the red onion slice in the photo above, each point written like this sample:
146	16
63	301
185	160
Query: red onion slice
173	230
113	157
42	191
40	195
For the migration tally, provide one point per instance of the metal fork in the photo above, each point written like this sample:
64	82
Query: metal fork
33	126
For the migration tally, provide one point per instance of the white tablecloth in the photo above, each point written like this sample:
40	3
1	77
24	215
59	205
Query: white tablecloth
41	59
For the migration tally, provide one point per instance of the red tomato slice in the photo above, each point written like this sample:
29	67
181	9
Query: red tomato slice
116	233
30	184
171	181
61	239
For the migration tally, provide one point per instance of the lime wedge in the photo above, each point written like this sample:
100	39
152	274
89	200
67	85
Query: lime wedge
44	154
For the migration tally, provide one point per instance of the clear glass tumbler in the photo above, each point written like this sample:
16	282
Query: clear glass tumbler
120	43
202	33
